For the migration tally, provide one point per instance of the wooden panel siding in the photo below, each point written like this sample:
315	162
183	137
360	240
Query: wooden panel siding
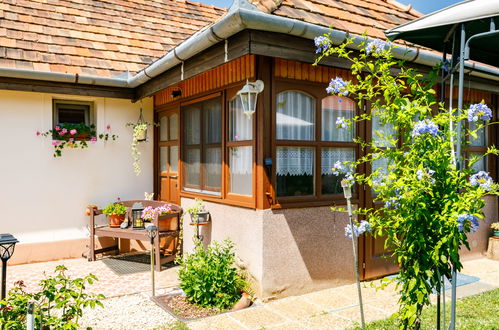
303	71
232	72
470	95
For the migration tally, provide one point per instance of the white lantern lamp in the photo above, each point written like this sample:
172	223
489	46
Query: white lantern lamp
248	95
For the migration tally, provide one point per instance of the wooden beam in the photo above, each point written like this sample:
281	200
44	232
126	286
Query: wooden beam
237	46
41	86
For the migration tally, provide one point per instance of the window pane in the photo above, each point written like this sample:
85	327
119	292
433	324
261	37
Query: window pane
163	129
240	170
240	125
381	164
331	184
212	113
295	117
173	127
192	124
295	171
213	167
481	138
174	159
192	167
381	134
334	107
480	165
163	159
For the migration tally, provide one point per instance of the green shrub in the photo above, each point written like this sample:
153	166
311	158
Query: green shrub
58	305
208	276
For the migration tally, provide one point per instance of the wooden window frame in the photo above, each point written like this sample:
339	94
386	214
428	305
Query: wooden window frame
237	198
202	189
318	91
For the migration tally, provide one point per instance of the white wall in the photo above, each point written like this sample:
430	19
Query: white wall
42	198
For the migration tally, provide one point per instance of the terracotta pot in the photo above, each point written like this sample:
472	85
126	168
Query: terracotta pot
244	302
167	224
115	220
87	210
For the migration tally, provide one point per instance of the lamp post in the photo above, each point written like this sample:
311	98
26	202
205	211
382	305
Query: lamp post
7	245
248	95
152	230
347	191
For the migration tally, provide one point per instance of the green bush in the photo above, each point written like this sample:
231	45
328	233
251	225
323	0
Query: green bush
208	276
58	305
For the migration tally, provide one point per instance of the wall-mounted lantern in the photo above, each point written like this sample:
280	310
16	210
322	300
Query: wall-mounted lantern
7	245
248	95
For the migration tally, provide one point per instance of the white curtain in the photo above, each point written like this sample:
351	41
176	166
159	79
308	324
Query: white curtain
163	129
241	174
295	161
381	133
331	155
192	115
192	165
240	125
213	167
212	121
295	116
334	107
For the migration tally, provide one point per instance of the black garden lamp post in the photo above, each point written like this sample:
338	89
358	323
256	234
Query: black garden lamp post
152	230
7	245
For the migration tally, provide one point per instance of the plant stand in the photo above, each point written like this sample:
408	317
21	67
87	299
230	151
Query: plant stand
493	249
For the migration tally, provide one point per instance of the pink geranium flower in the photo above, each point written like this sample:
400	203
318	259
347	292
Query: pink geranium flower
108	127
55	143
58	128
38	133
93	139
71	140
73	132
64	131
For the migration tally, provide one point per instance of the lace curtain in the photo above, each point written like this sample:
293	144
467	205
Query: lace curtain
331	155
240	125
213	167
295	119
295	161
334	107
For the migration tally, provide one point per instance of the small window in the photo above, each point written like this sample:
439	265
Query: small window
72	112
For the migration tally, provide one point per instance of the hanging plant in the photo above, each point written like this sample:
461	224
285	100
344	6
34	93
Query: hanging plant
139	135
74	136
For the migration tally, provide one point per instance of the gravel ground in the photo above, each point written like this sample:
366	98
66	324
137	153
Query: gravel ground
127	312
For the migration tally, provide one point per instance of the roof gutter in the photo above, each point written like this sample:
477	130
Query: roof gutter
237	20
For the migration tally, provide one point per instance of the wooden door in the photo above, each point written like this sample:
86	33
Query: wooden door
168	151
374	259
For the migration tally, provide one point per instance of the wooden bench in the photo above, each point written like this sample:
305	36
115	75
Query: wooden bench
137	234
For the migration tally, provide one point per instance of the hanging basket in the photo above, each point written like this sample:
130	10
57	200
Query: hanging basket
141	135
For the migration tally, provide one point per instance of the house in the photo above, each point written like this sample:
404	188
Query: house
266	179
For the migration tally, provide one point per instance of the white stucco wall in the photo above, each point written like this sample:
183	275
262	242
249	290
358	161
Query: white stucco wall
42	198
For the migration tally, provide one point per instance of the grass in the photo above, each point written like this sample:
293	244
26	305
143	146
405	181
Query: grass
480	311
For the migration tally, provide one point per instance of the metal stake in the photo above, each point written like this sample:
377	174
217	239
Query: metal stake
152	267
4	277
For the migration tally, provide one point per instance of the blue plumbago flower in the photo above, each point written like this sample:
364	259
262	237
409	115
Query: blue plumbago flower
322	43
337	86
363	227
426	174
349	178
341	123
463	219
338	168
479	111
425	126
446	66
377	46
391	203
481	179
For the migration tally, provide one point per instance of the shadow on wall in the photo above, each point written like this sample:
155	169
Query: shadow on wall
305	250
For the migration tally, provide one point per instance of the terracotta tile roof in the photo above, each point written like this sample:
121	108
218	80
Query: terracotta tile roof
98	37
108	38
354	16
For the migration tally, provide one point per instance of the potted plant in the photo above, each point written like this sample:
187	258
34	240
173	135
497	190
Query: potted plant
139	135
116	214
495	228
164	223
198	212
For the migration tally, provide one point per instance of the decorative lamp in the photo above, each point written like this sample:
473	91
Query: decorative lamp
137	221
248	95
152	231
347	188
7	245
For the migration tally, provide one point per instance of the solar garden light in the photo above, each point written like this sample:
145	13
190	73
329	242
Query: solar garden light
137	221
248	95
152	230
7	245
347	191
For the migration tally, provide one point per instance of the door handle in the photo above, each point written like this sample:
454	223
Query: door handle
173	176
